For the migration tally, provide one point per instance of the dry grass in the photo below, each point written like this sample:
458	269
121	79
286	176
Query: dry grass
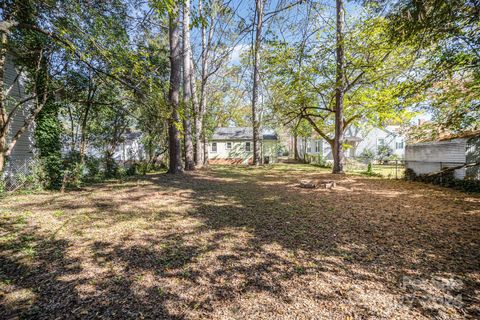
241	243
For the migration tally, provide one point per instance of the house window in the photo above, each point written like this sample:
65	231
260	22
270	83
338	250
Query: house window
247	146
381	142
214	147
309	146
229	145
318	146
399	145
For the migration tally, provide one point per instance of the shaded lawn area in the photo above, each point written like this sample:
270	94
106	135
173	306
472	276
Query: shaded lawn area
236	243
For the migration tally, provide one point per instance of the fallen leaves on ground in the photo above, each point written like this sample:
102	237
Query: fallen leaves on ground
241	243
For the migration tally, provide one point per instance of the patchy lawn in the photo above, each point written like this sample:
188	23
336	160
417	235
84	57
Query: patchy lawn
241	243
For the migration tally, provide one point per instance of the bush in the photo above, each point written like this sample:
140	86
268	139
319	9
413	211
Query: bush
322	162
370	168
370	172
111	168
445	179
92	168
48	130
383	153
135	168
367	156
3	186
317	160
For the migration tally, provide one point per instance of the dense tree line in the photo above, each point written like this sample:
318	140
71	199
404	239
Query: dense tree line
95	70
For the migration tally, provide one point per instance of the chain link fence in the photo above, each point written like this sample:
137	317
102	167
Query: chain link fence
18	174
390	169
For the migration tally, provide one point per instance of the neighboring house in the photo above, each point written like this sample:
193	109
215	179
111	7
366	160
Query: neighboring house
358	141
22	153
448	151
131	148
231	145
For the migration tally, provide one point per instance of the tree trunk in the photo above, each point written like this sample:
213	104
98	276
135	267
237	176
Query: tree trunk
339	90
257	160
175	152
3	143
3	107
205	150
200	147
187	88
198	121
295	147
110	165
83	125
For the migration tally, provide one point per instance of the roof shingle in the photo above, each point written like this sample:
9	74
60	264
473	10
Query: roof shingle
239	133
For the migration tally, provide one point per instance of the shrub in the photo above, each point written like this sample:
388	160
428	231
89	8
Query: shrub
370	168
134	168
48	131
368	155
370	172
317	160
383	153
92	167
2	186
445	179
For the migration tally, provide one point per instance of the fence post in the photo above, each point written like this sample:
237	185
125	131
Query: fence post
396	169
441	175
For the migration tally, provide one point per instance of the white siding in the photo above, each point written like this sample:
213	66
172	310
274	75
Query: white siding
238	152
433	156
371	141
308	146
366	140
23	150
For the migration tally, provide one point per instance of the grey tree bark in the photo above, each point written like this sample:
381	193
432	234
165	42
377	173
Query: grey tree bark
198	122
187	88
201	146
174	144
257	160
3	109
339	91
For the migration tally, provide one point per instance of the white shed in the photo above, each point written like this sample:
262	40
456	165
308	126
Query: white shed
447	152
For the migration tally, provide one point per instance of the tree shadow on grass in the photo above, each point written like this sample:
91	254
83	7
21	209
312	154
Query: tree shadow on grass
44	283
253	233
376	229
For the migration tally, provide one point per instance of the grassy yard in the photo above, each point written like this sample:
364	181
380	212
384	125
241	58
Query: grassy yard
383	170
241	243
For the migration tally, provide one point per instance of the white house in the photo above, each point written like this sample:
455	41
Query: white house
448	151
131	148
22	153
359	140
234	145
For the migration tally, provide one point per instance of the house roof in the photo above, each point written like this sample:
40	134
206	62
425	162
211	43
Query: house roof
132	135
353	139
239	133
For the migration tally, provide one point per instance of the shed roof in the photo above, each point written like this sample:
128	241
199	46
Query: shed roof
240	133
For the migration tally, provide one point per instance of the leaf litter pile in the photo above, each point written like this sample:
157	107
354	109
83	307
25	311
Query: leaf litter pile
241	243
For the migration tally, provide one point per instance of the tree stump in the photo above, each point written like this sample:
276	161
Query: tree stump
308	184
313	184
